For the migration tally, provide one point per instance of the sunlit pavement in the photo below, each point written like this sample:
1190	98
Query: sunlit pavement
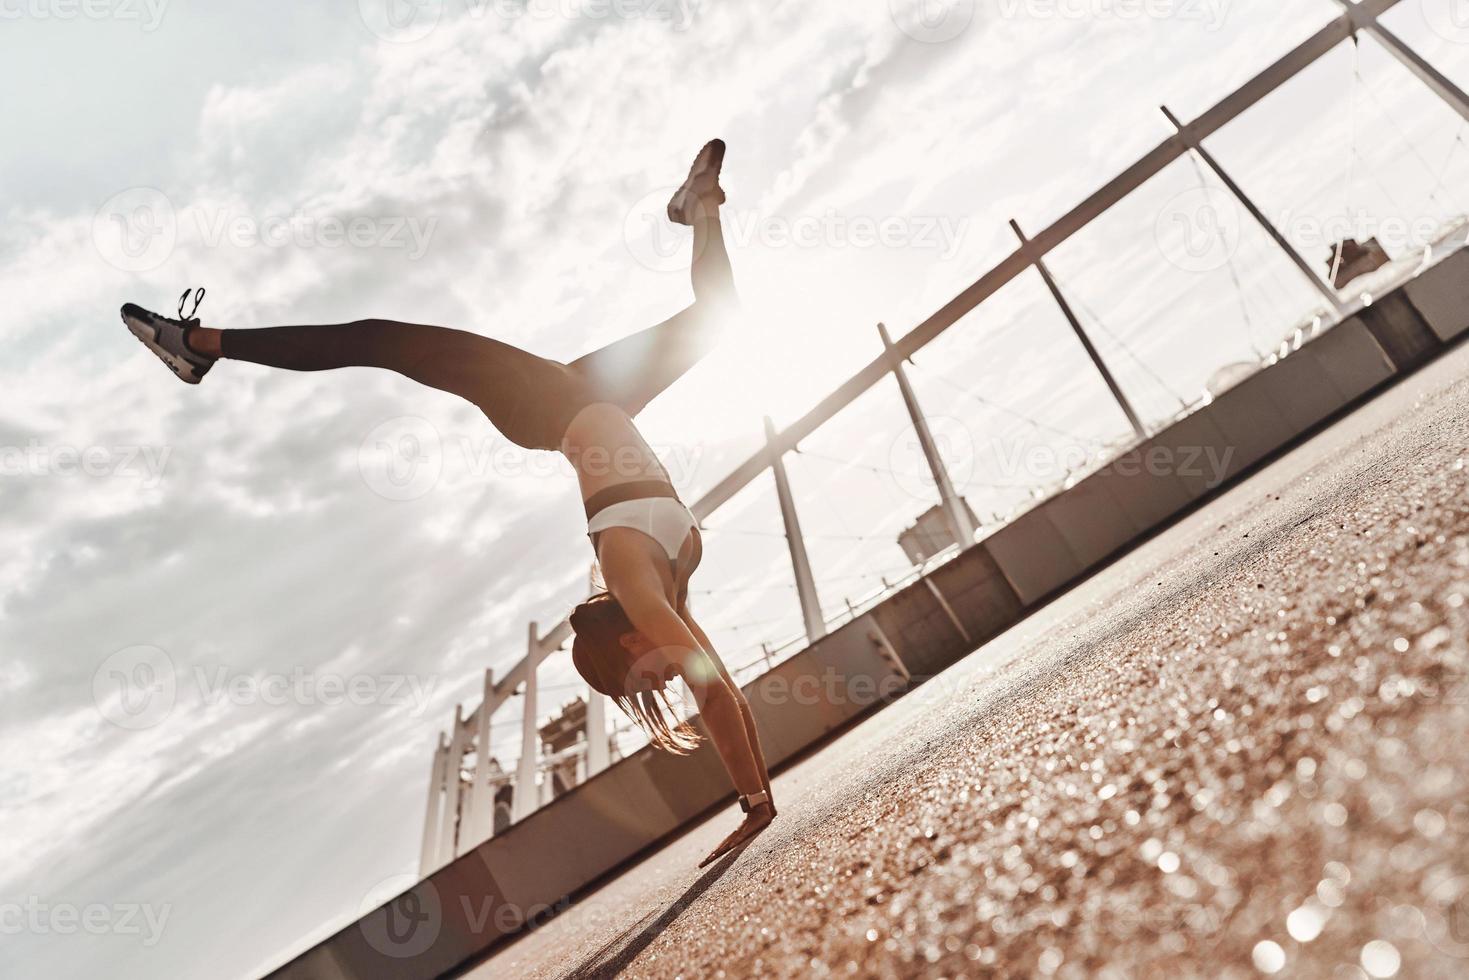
1240	751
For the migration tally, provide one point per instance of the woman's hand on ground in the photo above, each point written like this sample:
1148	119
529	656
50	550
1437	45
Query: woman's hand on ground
756	820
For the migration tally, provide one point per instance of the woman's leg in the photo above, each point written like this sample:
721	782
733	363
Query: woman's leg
508	384
633	371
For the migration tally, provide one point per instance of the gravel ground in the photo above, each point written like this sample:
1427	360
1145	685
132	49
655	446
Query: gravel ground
1240	751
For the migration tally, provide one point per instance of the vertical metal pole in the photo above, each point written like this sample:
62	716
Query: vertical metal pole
1040	266
1309	271
453	798
428	852
960	524
1364	21
526	799
481	798
597	755
800	561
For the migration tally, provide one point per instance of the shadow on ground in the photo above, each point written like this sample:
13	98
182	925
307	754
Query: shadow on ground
619	953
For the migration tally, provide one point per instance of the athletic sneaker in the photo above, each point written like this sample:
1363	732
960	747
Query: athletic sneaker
165	337
701	187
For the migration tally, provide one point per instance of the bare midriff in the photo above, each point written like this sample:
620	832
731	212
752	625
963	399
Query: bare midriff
606	448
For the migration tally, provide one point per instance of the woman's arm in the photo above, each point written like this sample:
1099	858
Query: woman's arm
751	732
634	583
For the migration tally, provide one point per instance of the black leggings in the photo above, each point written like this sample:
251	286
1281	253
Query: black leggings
530	399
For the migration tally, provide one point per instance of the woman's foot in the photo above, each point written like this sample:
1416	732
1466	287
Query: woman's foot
168	338
701	190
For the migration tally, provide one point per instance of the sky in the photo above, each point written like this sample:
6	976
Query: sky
234	619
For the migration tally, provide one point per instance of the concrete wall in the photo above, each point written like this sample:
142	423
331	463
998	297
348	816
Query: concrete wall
1073	533
929	637
465	908
1441	295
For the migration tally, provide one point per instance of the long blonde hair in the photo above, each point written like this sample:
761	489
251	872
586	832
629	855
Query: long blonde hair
605	664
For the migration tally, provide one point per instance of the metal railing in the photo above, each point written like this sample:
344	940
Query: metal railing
460	810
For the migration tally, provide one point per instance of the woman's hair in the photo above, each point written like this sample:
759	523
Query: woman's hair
606	665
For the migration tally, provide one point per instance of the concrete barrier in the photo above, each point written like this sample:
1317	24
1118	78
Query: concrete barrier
958	607
1441	295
